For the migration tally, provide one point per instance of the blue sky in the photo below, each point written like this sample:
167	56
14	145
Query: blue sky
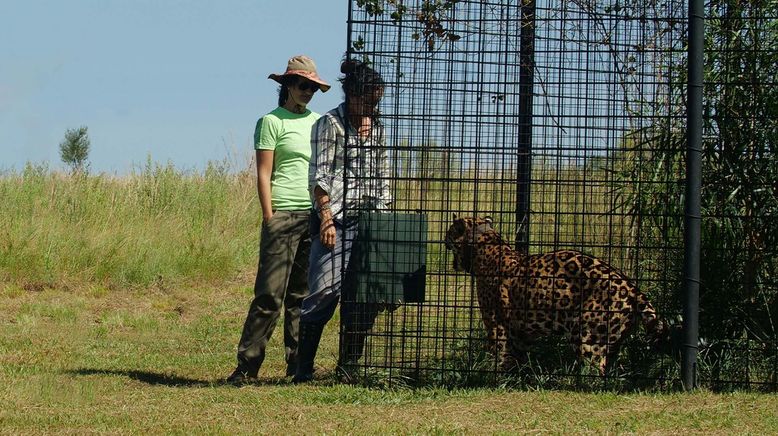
181	81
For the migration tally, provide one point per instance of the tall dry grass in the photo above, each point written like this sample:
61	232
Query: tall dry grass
156	224
159	223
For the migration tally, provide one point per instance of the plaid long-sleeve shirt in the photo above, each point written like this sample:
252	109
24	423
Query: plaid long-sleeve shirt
355	175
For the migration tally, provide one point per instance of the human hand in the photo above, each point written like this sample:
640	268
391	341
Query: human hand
327	233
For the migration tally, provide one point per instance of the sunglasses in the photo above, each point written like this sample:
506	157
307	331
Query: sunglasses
308	86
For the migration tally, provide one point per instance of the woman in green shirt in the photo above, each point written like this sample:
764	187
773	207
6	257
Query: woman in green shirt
283	146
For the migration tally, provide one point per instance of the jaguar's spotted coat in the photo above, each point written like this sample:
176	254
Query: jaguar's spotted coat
526	297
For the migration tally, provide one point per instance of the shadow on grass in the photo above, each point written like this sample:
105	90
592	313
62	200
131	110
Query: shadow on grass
157	379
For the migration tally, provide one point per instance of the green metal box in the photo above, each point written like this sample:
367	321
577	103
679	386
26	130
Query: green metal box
389	258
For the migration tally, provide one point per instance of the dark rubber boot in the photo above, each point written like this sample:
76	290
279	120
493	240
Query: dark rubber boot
291	369
310	335
242	375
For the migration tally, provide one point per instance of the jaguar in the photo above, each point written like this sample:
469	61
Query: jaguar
525	297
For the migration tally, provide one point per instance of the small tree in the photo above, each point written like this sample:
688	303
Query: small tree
74	149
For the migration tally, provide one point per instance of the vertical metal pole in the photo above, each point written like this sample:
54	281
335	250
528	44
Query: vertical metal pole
341	326
692	217
349	21
526	90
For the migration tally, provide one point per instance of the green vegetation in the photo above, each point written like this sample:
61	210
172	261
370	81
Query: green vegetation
95	360
123	299
158	226
74	149
739	232
162	226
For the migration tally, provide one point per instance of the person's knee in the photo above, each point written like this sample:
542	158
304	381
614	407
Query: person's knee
294	299
318	312
266	304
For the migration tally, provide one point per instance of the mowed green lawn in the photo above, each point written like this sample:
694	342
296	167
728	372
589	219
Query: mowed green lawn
151	360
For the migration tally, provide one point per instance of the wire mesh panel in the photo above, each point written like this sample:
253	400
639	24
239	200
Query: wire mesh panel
564	123
739	292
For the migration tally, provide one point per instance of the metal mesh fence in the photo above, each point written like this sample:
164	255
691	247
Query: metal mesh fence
564	122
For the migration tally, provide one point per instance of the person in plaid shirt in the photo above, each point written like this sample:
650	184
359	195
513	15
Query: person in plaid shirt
348	174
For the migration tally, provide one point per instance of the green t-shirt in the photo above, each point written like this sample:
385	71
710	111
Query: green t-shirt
289	136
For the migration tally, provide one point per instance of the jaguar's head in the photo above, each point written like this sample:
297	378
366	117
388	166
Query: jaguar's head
461	237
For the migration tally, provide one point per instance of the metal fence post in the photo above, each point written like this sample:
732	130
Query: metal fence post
526	90
692	216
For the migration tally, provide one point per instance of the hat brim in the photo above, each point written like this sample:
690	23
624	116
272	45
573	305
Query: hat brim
313	77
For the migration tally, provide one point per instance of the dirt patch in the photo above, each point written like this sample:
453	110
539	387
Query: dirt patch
36	286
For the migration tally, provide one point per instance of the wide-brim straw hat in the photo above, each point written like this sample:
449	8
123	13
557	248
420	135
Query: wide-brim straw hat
302	66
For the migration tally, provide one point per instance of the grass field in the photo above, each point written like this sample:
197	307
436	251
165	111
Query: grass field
122	301
151	360
158	224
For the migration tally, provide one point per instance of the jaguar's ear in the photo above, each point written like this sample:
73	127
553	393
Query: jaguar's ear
455	216
488	220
